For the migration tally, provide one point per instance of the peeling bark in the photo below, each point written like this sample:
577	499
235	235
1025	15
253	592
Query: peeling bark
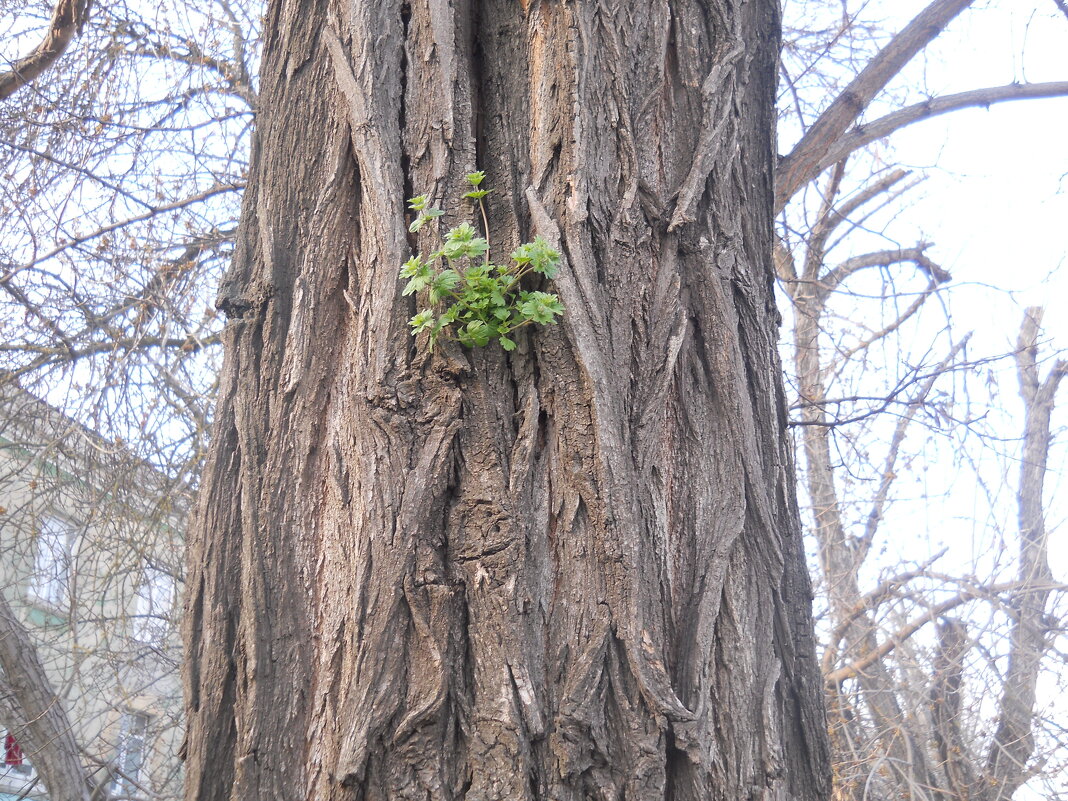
569	572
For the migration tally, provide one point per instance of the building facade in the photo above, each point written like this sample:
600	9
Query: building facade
90	566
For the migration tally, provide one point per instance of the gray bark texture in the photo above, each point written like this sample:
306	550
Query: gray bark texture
569	572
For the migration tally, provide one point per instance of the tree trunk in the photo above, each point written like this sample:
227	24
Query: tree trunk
569	572
29	706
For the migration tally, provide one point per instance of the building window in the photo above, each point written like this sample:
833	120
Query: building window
130	754
50	583
155	602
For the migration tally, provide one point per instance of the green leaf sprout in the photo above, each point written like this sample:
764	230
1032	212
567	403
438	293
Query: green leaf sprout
468	296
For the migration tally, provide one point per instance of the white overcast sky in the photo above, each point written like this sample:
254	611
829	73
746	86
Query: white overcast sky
997	203
997	206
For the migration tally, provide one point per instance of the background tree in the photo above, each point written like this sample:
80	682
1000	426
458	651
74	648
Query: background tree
91	546
892	697
120	167
910	650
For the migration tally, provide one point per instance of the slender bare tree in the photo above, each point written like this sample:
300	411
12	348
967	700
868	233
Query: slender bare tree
114	243
899	642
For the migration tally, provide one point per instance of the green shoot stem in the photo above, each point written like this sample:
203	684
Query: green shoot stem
525	322
485	229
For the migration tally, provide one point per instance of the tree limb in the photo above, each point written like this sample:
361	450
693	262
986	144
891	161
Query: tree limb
39	716
1014	743
855	668
946	708
802	164
889	588
67	19
851	204
107	229
881	128
832	279
886	480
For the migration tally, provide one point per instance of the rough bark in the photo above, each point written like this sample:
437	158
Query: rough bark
569	572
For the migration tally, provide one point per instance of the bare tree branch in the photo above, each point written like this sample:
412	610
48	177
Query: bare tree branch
815	251
854	202
189	344
883	127
802	164
878	504
1014	741
858	666
67	19
107	229
233	72
832	279
948	678
868	603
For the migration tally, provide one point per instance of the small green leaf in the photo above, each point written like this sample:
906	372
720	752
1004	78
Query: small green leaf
454	250
478	332
545	260
464	232
421	321
417	284
447	279
476	247
421	275
459	247
541	307
476	302
443	285
476	272
522	254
